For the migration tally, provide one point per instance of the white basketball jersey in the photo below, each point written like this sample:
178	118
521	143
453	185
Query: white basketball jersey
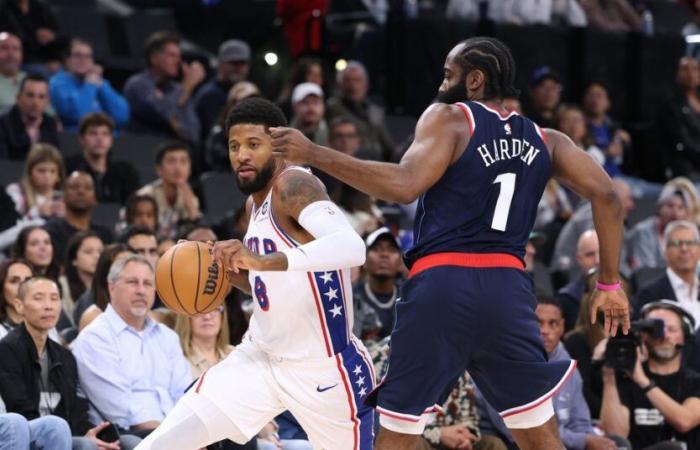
296	314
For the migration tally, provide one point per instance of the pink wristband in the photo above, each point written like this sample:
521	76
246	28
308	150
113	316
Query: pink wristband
607	287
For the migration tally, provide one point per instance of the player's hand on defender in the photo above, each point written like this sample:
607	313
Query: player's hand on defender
292	145
615	308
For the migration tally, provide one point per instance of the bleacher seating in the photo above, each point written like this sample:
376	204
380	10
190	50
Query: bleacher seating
10	171
221	195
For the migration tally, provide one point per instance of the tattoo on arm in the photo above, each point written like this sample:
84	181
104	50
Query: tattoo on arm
297	190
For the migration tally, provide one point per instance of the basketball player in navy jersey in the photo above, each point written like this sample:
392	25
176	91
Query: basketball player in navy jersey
478	173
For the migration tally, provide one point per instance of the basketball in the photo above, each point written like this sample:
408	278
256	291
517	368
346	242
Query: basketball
188	280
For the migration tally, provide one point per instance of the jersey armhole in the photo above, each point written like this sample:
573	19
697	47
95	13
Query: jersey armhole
470	117
540	133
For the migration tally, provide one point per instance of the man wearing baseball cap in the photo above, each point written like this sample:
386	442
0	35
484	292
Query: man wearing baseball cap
309	109
545	92
233	65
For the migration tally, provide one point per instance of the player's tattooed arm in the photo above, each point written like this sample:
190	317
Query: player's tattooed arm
297	190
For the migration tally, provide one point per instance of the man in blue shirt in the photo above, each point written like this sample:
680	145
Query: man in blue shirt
79	89
130	366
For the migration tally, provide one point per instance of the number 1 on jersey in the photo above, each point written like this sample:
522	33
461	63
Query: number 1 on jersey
505	197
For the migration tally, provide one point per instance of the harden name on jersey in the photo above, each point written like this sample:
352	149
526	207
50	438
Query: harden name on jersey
504	149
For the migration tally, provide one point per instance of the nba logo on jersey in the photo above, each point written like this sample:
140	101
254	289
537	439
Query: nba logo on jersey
507	128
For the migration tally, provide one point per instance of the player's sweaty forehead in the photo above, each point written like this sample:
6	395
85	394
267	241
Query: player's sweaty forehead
245	131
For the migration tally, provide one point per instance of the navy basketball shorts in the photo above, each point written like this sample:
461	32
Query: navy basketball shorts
452	318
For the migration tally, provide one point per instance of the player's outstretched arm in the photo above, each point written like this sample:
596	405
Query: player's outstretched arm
439	132
576	169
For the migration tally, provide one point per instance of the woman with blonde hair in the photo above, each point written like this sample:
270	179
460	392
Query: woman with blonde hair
204	339
38	193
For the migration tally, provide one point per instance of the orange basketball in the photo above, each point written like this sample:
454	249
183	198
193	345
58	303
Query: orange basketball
188	281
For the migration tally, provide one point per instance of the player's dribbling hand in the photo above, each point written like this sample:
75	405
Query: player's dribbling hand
615	308
292	145
232	255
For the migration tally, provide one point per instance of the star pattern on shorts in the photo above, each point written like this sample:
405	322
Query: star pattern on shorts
363	392
360	381
327	277
358	370
336	311
332	294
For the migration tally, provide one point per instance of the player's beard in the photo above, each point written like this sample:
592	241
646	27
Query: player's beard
457	93
260	181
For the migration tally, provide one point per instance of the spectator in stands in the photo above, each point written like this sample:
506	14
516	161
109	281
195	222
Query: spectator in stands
34	245
201	233
18	433
659	400
51	386
573	415
27	123
680	122
308	107
611	15
606	133
82	253
354	102
359	208
204	339
343	136
95	300
79	196
545	93
693	27
124	352
587	258
38	193
114	180
12	273
569	119
233	65
554	207
305	70
80	89
141	211
582	220
216	145
680	281
381	287
519	12
34	23
644	241
159	104
164	245
142	241
302	25
177	202
10	74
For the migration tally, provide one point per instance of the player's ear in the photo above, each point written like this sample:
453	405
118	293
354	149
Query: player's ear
475	79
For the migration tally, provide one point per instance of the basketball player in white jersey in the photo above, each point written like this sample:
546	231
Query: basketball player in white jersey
299	353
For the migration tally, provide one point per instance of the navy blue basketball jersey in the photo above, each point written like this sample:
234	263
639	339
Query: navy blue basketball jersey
486	201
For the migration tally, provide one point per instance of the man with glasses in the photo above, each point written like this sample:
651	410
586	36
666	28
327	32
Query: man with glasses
680	281
79	89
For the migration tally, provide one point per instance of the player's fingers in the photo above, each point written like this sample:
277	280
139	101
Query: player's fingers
276	132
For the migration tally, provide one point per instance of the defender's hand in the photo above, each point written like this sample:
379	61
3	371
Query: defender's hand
292	145
615	307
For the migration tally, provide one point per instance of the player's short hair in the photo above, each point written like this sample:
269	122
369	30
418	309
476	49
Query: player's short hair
492	57
544	300
255	111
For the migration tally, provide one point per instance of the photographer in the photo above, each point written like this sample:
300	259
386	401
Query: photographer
657	403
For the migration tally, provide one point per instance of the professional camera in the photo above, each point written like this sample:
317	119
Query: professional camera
621	351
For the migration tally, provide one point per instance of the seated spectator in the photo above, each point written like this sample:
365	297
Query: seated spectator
204	339
380	289
679	121
680	282
94	301
611	15
79	89
38	193
360	209
693	27
606	133
569	120
164	245
125	354
79	197
114	180
200	233
587	259
570	408
354	102
159	104
27	123
216	145
657	402
18	433
545	95
644	240
51	386
177	202
554	206
10	74
10	222
233	65
34	23
305	70
564	255
140	210
308	107
12	273
35	245
141	241
82	253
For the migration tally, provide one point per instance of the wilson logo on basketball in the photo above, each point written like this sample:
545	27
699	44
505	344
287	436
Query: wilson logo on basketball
210	285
